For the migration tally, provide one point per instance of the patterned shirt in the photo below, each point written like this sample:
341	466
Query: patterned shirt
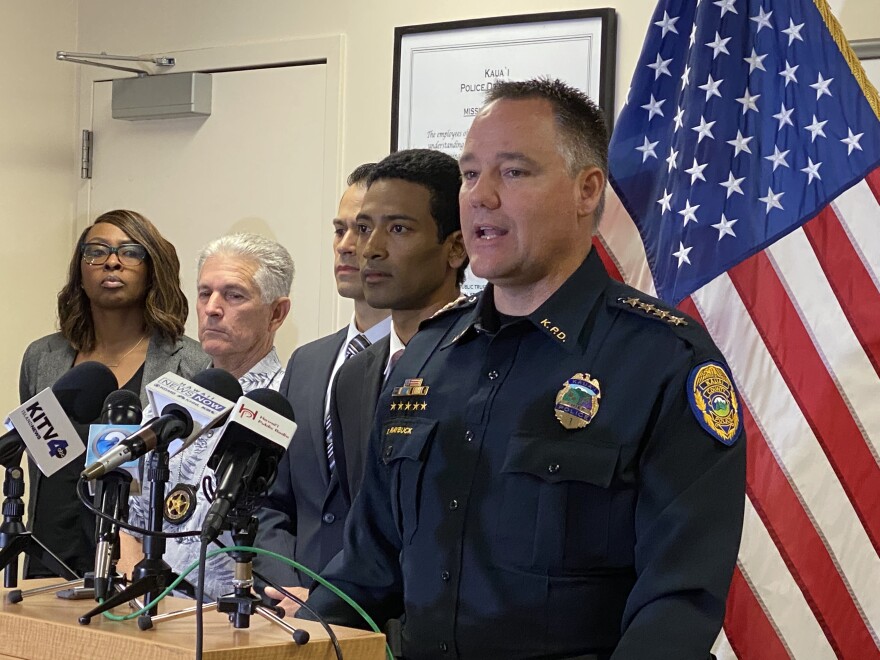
191	467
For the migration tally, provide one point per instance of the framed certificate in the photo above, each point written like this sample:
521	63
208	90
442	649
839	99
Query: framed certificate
442	71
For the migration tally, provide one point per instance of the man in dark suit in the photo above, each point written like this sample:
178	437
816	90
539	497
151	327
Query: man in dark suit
412	262
303	514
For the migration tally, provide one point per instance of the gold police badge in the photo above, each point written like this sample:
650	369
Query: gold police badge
180	504
578	401
714	403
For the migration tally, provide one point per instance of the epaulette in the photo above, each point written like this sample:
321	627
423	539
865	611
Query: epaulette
462	302
653	309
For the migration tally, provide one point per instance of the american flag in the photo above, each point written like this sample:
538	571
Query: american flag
746	190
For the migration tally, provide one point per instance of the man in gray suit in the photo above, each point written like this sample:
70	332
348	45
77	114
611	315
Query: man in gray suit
303	515
412	262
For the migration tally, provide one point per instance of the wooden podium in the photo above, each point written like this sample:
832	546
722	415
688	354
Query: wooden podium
45	626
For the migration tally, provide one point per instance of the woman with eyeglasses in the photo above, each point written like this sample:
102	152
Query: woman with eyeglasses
122	306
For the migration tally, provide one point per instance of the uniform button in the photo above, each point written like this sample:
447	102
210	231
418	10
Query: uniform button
444	576
492	375
328	518
210	434
453	505
388	451
469	435
553	469
443	647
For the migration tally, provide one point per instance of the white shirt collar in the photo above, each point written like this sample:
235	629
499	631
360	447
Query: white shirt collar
374	333
395	346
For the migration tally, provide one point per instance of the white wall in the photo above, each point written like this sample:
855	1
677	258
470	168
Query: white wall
38	140
38	174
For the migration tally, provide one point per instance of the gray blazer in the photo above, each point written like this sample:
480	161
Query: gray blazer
46	360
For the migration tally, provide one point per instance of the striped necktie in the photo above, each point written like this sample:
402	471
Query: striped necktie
355	345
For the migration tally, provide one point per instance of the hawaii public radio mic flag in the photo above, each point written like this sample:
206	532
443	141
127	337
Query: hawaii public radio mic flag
746	190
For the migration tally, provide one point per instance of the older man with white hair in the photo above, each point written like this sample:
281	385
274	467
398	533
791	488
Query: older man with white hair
243	298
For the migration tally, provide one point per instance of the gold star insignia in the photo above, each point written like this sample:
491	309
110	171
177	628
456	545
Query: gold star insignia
632	302
648	307
677	320
661	313
407	406
424	406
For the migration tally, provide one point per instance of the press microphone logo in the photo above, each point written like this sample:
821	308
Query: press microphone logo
43	429
51	439
109	439
208	402
246	413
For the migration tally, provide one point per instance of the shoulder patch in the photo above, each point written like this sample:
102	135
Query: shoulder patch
713	401
461	302
652	310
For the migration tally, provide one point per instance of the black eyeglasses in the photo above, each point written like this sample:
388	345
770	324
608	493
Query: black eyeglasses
129	254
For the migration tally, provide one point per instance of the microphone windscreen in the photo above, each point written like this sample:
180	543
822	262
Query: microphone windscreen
272	400
122	407
219	381
82	390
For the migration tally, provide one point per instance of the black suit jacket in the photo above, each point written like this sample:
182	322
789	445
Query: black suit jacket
303	514
305	511
353	411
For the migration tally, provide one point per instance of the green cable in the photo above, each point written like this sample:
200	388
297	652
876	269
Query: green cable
259	551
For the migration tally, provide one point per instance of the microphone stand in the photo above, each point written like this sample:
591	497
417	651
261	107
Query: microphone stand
112	493
16	539
242	603
152	575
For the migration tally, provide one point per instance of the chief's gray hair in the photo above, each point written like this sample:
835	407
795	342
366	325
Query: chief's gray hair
274	274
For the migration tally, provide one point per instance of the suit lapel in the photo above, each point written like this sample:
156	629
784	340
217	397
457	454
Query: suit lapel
374	379
56	362
159	360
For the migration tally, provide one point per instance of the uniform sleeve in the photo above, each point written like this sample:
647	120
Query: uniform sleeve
368	569
688	524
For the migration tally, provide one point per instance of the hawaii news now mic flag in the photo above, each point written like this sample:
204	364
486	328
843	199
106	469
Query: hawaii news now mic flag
746	190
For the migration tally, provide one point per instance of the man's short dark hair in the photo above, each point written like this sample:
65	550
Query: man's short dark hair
360	174
579	120
436	171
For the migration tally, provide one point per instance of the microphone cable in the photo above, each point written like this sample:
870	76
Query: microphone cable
200	596
82	490
200	564
259	551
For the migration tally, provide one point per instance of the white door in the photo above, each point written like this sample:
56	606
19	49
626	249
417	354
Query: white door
258	163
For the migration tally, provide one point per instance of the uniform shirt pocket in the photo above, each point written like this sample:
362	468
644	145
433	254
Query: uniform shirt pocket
562	511
405	445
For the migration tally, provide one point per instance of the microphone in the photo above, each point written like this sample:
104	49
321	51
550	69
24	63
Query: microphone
245	459
42	423
174	422
208	397
112	493
182	402
122	408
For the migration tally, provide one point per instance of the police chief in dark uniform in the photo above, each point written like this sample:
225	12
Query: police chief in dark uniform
558	465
